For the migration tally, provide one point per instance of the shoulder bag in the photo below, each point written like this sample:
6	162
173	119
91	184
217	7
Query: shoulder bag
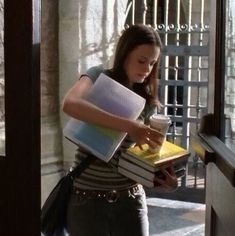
53	213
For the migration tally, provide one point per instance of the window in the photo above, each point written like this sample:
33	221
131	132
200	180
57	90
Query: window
229	76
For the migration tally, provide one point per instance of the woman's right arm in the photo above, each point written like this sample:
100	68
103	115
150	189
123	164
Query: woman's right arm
76	106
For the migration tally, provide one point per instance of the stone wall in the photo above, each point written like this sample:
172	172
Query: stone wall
76	34
51	147
88	31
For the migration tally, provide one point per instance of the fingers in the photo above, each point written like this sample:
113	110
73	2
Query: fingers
145	134
156	136
171	170
169	180
151	143
165	172
159	181
168	171
155	133
153	138
140	147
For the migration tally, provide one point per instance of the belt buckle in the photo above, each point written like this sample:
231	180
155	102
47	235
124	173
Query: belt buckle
112	196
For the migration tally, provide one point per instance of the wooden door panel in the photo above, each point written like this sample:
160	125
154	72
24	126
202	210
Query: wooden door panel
20	168
220	202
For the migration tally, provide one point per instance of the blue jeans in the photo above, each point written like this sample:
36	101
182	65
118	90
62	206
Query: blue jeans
97	217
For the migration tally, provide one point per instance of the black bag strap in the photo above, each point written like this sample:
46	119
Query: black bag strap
76	171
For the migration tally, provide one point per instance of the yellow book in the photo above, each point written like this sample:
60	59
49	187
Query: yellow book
151	161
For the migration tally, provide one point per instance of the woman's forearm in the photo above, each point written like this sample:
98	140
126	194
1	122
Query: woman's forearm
76	106
85	111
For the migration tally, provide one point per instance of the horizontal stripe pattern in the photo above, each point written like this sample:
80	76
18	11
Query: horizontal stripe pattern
101	175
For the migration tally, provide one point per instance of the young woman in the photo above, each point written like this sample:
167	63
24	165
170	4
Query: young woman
105	203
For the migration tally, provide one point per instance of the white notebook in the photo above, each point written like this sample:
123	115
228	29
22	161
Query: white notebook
112	97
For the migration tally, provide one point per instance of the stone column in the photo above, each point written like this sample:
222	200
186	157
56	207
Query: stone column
51	148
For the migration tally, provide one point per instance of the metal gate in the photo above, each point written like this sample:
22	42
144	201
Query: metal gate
184	29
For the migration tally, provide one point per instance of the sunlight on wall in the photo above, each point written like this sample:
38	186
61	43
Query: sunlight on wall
86	38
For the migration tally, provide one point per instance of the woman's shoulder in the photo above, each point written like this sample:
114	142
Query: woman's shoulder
94	72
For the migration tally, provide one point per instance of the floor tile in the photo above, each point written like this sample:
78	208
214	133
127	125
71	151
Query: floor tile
170	217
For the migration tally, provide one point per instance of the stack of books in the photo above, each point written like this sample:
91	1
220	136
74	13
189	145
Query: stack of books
143	166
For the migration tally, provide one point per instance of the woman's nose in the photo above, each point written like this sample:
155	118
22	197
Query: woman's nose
147	68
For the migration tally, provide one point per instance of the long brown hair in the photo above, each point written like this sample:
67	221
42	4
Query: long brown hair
132	37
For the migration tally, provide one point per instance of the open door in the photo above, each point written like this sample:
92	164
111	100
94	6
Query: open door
20	167
217	133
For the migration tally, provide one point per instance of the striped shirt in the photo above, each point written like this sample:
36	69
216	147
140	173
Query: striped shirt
101	175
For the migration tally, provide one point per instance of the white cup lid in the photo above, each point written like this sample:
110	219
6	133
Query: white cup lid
160	118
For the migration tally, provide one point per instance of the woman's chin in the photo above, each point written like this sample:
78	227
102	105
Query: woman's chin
140	81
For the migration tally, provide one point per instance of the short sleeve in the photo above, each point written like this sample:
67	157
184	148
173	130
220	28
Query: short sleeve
94	72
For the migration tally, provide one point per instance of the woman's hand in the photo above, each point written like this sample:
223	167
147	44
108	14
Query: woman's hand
169	181
141	134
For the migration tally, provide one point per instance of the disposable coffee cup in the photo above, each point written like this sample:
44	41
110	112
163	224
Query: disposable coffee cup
160	123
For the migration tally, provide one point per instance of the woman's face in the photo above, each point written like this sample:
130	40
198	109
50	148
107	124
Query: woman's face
139	62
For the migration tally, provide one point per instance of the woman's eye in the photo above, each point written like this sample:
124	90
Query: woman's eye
141	62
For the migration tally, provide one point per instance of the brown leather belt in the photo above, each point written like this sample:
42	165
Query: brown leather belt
110	195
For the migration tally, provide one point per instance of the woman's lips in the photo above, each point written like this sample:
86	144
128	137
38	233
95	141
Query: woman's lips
140	76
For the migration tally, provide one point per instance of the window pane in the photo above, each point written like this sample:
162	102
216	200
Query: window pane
229	131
